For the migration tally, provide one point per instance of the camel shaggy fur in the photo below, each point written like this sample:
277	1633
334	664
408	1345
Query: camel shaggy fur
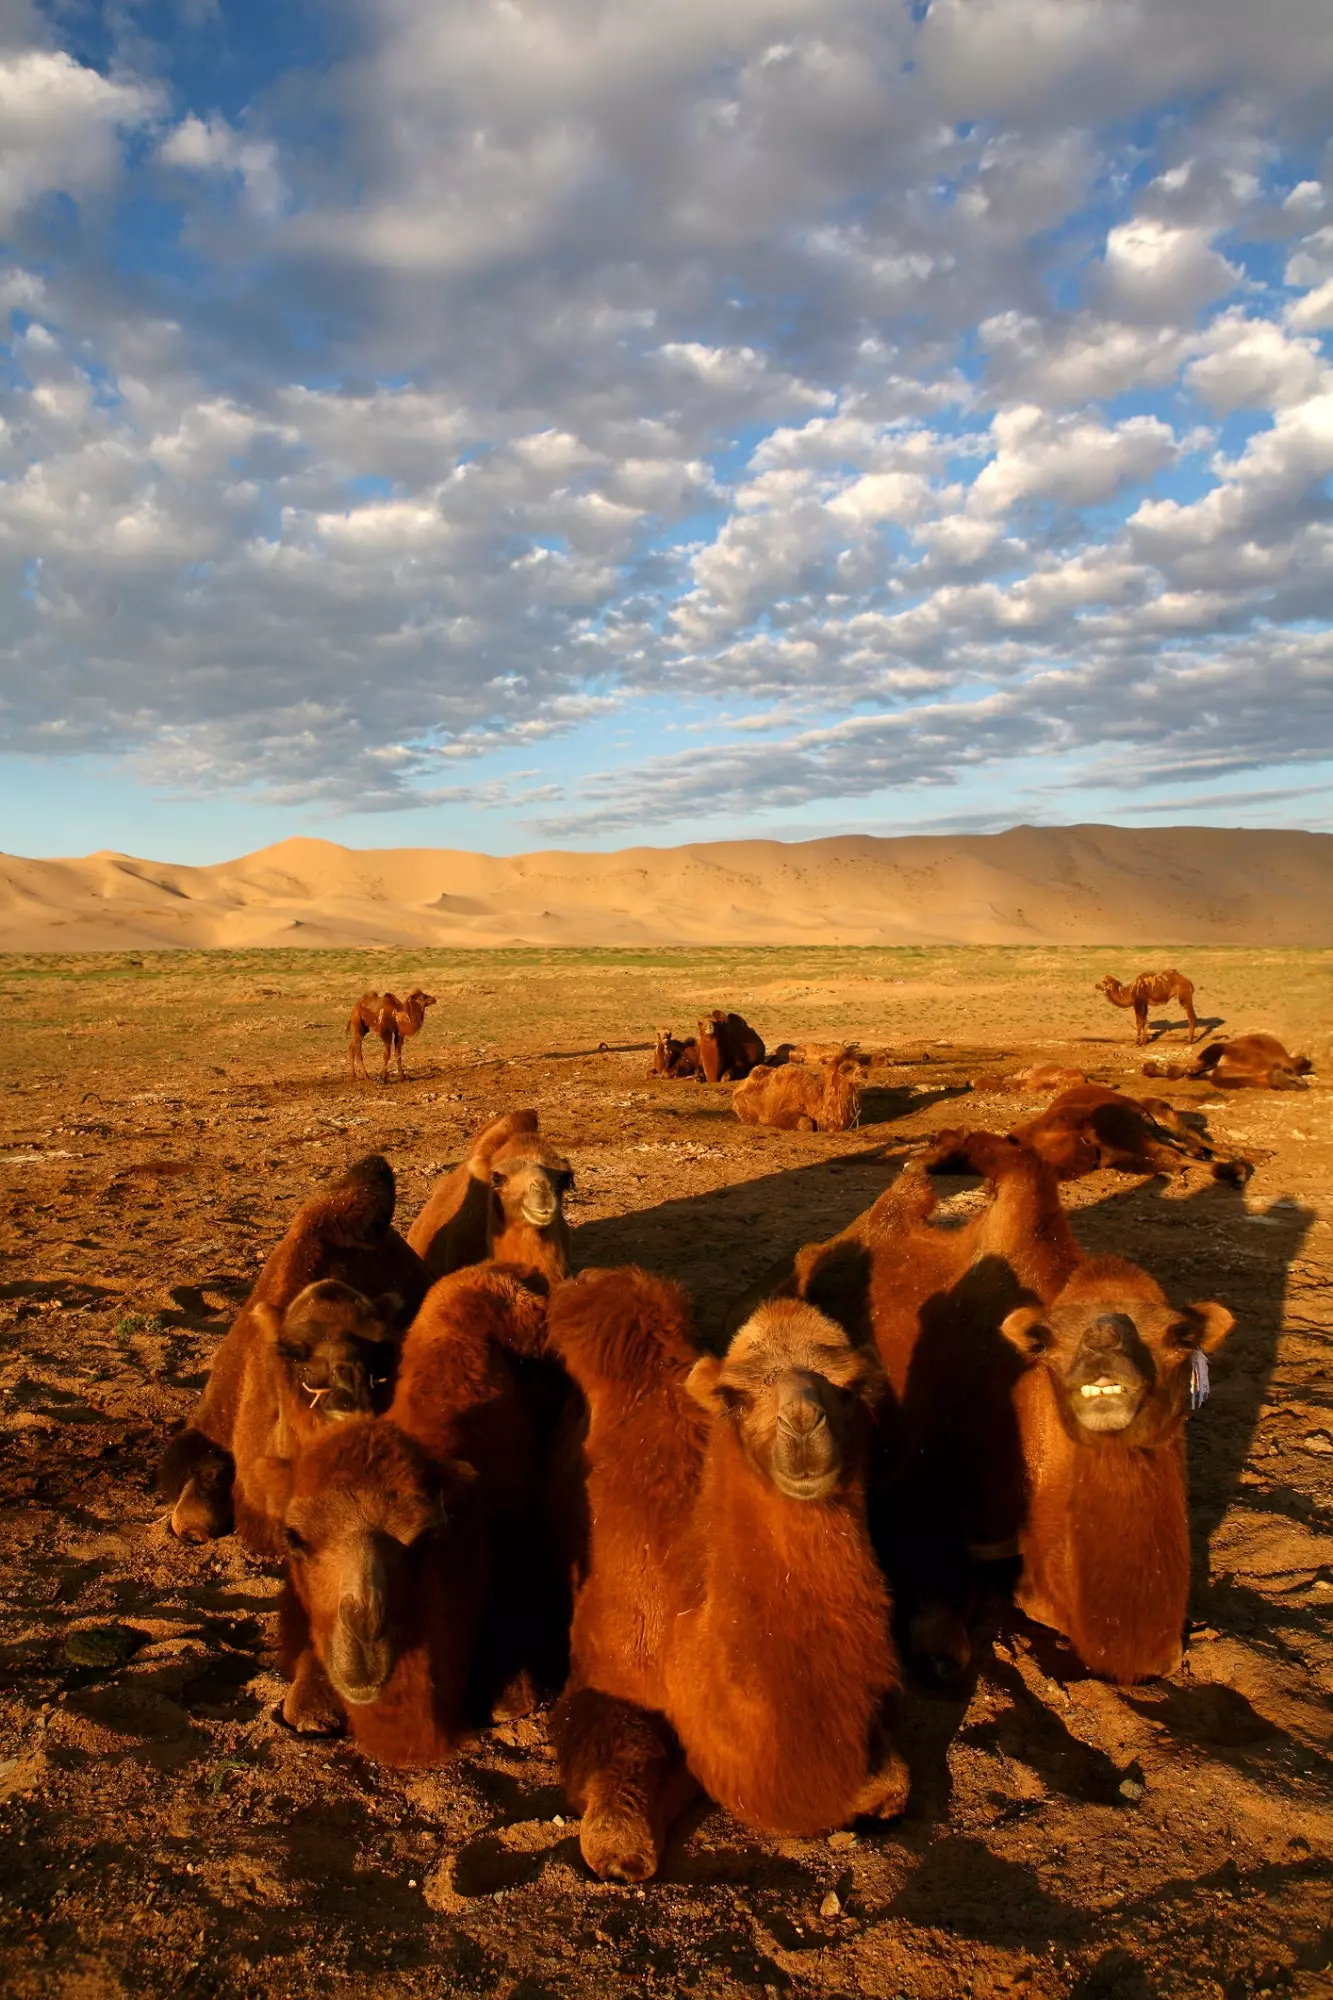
411	1536
1151	989
344	1233
731	1626
729	1048
1039	1080
674	1058
395	1021
1090	1127
1249	1062
505	1201
800	1097
1039	1407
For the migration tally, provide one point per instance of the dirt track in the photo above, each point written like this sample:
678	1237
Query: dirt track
165	1835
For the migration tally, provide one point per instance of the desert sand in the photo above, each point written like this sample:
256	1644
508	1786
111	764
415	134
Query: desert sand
1032	885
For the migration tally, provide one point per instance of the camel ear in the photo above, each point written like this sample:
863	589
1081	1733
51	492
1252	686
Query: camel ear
1024	1330
704	1384
391	1307
1204	1326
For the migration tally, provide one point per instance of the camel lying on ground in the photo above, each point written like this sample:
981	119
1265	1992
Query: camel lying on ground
1090	1127
345	1233
800	1097
729	1048
395	1021
1039	1080
1249	1062
1041	1399
505	1201
674	1058
731	1627
1151	989
410	1536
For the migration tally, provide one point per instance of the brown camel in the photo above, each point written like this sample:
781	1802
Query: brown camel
803	1097
1249	1062
1040	1399
729	1048
344	1233
1039	1080
410	1536
1090	1127
506	1201
1151	989
731	1626
395	1021
674	1058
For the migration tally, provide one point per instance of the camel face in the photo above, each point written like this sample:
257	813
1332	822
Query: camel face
336	1346
797	1391
1118	1365
533	1189
422	999
362	1511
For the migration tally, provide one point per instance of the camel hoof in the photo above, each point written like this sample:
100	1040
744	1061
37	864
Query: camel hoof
312	1712
617	1844
886	1794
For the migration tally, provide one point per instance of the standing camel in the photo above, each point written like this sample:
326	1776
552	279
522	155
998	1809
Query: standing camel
392	1019
1151	989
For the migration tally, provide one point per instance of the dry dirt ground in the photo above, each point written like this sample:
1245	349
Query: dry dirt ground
161	1118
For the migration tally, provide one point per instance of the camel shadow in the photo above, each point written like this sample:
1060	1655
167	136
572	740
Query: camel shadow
1207	1025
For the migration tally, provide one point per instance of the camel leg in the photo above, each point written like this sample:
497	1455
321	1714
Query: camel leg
884	1794
1140	1022
386	1042
398	1051
1188	1005
622	1769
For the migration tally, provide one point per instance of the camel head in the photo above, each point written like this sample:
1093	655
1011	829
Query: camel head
529	1182
419	998
363	1512
334	1348
798	1394
1109	985
1120	1357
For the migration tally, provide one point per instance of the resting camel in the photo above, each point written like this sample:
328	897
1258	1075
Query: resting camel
1150	989
395	1021
731	1627
1040	1080
1040	1399
674	1058
411	1537
800	1097
1254	1062
344	1233
505	1201
729	1048
1090	1127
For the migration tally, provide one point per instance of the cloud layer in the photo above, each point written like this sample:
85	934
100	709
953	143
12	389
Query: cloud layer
623	418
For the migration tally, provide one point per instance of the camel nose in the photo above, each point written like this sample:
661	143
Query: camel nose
1108	1335
802	1413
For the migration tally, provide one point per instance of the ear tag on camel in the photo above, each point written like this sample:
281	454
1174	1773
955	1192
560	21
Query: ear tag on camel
1198	1379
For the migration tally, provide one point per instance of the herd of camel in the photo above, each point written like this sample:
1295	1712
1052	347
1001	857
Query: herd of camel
493	1476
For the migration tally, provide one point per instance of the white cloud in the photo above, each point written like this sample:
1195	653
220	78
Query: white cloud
59	123
210	146
1158	273
1075	460
1251	363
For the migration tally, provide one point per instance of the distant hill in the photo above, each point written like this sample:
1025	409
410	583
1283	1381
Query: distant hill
1033	885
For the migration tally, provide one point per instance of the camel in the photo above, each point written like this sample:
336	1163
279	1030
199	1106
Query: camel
395	1021
674	1058
799	1097
1039	1405
731	1625
1039	1080
1089	1127
344	1233
1253	1062
1151	989
729	1048
506	1201
412	1537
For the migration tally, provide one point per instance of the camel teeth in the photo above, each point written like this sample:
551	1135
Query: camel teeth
1101	1389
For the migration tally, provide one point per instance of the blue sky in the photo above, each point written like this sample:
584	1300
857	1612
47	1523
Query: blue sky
507	425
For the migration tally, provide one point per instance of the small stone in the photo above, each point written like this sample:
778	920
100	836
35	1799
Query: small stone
1131	1790
840	1842
831	1905
100	1646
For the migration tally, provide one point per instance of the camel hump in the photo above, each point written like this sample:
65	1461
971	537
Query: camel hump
622	1326
514	1125
357	1211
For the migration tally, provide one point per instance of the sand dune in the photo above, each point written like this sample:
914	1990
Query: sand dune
1033	885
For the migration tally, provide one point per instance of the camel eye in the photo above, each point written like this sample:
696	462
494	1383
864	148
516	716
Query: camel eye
296	1542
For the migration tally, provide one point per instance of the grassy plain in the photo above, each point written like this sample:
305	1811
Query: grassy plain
161	1116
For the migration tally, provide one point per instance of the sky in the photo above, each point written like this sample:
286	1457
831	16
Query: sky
507	424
